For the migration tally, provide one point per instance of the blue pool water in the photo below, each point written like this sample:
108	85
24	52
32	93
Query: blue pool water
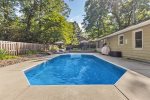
75	69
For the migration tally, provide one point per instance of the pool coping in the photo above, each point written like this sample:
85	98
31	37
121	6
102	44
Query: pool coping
122	85
117	84
30	68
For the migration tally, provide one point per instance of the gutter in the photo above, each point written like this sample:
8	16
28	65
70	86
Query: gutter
126	30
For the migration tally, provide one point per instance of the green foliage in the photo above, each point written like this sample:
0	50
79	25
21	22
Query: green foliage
54	48
4	55
56	28
42	21
107	16
32	52
3	52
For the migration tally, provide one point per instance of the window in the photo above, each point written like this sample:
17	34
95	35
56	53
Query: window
138	39
121	39
104	41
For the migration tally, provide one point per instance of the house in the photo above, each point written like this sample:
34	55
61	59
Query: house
133	41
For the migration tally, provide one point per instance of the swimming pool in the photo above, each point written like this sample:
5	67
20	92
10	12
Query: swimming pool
74	69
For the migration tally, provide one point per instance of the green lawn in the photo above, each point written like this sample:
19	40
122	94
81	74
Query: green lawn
4	55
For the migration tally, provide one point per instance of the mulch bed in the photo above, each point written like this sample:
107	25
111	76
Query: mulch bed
4	63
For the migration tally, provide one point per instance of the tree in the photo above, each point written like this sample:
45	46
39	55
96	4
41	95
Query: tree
106	16
77	28
42	21
7	16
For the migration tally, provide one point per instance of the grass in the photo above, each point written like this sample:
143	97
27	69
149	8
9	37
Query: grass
5	56
31	52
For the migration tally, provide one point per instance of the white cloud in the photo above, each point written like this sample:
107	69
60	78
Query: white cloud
81	27
71	20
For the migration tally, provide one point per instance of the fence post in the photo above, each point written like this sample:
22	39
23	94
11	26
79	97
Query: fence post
16	48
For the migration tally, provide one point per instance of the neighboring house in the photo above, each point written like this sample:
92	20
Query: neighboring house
81	38
133	41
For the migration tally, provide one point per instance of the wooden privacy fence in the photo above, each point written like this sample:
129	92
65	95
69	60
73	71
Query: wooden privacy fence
16	48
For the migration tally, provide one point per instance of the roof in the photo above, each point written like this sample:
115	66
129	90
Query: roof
127	29
81	38
84	41
59	42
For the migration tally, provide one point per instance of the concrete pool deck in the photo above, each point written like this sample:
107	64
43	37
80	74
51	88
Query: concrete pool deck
131	86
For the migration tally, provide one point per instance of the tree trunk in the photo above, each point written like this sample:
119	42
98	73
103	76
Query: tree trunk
5	10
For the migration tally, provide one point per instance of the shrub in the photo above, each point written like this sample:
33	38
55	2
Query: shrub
7	57
4	55
32	52
3	52
54	48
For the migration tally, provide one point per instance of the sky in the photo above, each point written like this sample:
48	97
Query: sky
77	11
